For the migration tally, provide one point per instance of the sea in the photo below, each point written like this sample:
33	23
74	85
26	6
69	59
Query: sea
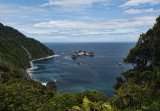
84	73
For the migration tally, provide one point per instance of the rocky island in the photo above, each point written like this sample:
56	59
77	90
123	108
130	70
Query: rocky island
82	53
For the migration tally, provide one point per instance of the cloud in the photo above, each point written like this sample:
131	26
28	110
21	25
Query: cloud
107	30
96	25
75	30
19	10
72	5
140	2
90	38
139	11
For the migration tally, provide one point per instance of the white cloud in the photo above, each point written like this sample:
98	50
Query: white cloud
139	11
80	31
96	25
72	5
109	30
68	3
140	2
19	10
90	38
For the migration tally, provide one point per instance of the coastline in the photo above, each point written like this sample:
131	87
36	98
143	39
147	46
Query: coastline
31	63
48	57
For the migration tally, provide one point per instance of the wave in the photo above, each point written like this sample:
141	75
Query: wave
34	67
44	83
54	80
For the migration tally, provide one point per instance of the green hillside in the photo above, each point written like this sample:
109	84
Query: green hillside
16	49
138	89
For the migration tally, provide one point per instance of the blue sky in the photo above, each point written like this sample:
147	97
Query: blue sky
80	20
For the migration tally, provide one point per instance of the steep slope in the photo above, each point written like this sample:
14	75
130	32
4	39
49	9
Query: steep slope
17	90
16	49
139	88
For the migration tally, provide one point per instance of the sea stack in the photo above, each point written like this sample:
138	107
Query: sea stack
82	53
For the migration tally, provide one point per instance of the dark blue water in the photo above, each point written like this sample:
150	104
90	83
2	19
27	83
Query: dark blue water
94	73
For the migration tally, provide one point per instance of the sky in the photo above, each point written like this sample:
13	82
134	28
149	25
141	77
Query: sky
80	20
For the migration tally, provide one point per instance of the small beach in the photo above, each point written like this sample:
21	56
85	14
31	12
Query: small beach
31	62
48	57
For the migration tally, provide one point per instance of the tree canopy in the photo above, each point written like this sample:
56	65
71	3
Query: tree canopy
137	90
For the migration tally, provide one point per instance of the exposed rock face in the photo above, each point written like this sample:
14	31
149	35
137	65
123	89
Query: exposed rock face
82	53
51	84
74	56
91	54
119	63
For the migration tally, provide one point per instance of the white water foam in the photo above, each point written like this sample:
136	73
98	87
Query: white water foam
44	83
34	67
54	80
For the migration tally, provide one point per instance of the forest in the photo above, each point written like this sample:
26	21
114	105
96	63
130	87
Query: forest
137	89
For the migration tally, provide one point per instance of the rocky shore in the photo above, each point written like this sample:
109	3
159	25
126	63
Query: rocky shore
82	53
50	84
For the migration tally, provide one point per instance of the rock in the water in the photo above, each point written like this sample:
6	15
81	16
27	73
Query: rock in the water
119	63
82	53
91	54
51	84
74	56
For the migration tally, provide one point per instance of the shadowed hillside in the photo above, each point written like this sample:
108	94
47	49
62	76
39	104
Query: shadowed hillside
16	49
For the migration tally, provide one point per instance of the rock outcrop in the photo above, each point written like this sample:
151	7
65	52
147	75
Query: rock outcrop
51	84
82	53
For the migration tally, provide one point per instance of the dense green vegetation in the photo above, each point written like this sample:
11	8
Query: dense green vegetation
17	49
137	90
140	87
17	91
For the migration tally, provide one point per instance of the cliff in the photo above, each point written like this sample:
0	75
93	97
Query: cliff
17	49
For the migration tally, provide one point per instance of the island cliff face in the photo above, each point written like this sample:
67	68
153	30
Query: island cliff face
82	53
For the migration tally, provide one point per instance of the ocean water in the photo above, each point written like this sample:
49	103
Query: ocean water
94	73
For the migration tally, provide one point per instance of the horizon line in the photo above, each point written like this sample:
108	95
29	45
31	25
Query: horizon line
92	42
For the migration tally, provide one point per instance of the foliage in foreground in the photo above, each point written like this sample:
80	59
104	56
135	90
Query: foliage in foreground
21	94
140	87
66	101
93	106
138	90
